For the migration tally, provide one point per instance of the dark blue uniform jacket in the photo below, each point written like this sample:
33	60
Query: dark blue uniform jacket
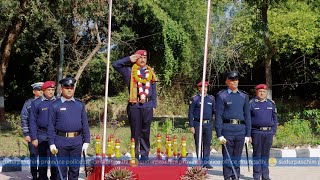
263	114
195	107
68	116
231	105
25	112
39	112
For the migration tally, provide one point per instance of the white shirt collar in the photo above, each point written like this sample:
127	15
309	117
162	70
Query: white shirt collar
63	99
230	91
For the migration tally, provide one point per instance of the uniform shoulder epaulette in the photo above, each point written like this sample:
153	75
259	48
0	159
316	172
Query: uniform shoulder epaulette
211	97
78	100
195	97
244	92
251	101
30	99
221	91
56	103
271	101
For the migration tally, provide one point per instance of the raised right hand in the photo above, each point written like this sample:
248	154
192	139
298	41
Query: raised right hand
134	57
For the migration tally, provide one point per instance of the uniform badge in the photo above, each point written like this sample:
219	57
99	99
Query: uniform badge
229	102
269	107
43	109
257	108
63	109
210	103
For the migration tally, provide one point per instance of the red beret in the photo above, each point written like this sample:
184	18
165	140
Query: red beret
141	52
206	83
261	86
48	84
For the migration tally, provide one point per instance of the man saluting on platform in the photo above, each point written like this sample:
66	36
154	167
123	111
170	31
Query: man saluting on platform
140	80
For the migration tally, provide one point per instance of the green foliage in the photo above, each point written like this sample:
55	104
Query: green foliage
177	22
154	127
14	122
167	126
313	115
294	132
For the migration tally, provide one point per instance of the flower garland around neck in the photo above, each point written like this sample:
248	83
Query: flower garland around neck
146	81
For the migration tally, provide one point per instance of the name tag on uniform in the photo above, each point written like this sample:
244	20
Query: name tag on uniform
256	108
210	103
229	102
43	109
63	109
269	107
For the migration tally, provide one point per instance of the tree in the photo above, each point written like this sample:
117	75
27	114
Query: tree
13	31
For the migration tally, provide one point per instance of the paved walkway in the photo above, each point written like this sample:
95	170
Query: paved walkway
277	173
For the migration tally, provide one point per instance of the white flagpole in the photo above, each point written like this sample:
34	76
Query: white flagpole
106	93
204	76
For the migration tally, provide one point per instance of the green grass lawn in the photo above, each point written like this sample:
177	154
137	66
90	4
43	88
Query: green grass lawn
14	145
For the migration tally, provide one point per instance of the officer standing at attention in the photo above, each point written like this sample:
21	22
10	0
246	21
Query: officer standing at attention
25	125
68	130
233	123
140	80
207	123
264	126
39	127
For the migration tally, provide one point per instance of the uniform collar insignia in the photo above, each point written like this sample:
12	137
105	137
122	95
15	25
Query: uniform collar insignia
43	98
229	91
63	99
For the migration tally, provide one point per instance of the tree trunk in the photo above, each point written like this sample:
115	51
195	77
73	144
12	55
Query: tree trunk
89	58
268	48
10	38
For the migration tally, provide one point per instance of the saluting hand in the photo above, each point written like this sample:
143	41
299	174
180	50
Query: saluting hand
192	130
35	143
134	57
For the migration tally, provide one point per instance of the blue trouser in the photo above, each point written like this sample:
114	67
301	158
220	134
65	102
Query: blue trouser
33	160
69	158
44	156
206	139
140	122
234	145
261	142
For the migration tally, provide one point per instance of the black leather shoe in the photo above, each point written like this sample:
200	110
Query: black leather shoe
208	166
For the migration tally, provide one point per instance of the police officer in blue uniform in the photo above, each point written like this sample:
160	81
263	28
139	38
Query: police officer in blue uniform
264	125
207	123
25	125
39	127
233	123
68	130
140	80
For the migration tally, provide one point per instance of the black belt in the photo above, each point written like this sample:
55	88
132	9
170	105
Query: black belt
68	134
263	128
205	121
233	121
43	129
